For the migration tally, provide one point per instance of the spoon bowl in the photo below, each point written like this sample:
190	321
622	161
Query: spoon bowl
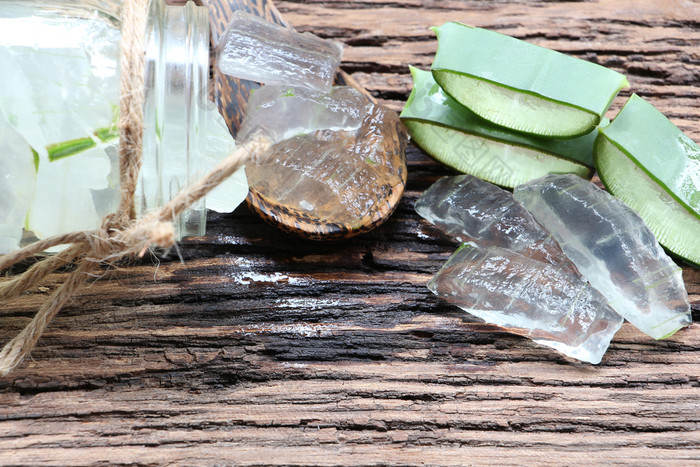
231	95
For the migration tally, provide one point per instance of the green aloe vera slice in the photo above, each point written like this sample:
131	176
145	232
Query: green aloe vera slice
459	138
522	86
654	168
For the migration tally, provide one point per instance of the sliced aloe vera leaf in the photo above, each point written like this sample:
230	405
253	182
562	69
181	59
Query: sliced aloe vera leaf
652	166
522	86
459	138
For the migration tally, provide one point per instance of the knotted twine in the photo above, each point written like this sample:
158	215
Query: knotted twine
120	235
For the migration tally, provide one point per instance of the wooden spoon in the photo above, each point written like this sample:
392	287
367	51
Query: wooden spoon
231	95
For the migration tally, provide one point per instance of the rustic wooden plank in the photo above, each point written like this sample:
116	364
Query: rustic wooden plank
654	43
264	349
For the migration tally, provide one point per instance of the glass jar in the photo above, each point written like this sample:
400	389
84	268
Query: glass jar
59	97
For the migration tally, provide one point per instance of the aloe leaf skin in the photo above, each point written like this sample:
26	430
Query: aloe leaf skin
69	148
654	168
659	148
580	91
107	134
429	108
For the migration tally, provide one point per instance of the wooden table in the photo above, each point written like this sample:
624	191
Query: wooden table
259	348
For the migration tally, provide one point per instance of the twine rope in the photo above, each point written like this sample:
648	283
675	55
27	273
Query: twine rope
120	235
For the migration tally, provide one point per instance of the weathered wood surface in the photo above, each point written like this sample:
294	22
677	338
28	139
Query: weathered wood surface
264	349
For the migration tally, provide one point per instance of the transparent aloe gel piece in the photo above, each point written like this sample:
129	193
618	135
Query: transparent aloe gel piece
219	144
477	212
522	86
337	159
529	298
613	249
282	112
257	50
651	165
454	135
17	180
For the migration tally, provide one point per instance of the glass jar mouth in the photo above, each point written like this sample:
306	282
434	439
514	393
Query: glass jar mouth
176	92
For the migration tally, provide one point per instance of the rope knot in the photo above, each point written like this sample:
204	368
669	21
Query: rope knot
145	232
104	242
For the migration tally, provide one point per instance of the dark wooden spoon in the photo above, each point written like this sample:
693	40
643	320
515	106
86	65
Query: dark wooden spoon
231	95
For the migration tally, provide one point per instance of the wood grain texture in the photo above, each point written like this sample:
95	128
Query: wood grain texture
262	349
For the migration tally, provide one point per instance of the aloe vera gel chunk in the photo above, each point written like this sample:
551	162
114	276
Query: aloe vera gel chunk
533	299
651	165
455	136
613	249
522	86
258	50
18	169
477	212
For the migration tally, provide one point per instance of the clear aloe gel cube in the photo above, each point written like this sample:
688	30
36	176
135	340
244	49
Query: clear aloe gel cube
529	298
257	50
337	158
477	212
17	180
282	112
613	249
520	85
